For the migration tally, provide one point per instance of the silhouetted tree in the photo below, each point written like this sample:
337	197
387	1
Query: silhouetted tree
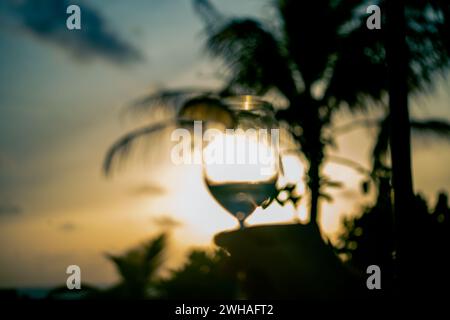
368	239
320	57
137	269
204	276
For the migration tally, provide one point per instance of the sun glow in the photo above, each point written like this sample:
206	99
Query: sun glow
203	217
240	157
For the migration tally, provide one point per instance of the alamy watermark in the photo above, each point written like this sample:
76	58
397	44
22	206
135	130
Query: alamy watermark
374	20
74	279
230	146
373	282
73	22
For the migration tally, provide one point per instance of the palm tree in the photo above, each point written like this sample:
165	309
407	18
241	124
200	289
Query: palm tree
321	58
137	269
428	128
323	46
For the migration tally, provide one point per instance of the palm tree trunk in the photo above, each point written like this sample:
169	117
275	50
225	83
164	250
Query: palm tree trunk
314	152
314	186
400	140
307	112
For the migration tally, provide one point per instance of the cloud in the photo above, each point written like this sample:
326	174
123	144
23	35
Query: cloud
166	221
68	227
46	20
9	209
147	190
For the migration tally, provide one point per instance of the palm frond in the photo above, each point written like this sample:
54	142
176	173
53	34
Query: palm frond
208	13
311	32
433	127
154	251
355	124
359	74
138	265
121	149
381	146
348	163
169	100
427	39
253	57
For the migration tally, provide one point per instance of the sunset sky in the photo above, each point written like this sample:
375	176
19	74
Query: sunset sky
62	102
